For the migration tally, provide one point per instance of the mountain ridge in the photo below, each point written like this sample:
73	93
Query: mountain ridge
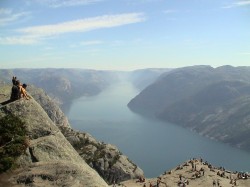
211	101
50	156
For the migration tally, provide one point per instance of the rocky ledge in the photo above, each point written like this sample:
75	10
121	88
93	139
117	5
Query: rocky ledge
195	173
106	159
50	158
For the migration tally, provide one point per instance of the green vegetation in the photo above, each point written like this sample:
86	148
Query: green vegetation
13	141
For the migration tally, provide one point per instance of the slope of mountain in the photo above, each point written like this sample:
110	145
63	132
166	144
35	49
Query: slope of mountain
143	77
106	159
211	101
49	160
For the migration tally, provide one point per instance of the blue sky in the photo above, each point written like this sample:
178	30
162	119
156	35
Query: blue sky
124	34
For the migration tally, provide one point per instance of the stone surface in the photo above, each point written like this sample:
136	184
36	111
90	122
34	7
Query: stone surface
47	126
50	159
49	105
106	159
194	177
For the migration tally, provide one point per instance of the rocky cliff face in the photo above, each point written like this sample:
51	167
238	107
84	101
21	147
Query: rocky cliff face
211	101
141	78
106	159
51	108
45	121
50	159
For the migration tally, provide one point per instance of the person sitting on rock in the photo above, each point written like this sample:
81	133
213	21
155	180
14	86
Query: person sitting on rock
23	91
15	91
14	80
141	179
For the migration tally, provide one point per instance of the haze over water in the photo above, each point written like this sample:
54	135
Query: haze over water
153	145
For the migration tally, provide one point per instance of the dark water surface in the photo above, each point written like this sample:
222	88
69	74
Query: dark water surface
153	145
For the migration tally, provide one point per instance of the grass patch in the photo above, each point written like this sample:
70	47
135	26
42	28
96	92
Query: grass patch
13	141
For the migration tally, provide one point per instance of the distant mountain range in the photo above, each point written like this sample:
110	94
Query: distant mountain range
141	78
65	85
214	102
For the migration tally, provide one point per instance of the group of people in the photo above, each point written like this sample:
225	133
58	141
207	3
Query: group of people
18	90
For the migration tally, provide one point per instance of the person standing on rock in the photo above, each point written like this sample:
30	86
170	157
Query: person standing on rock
218	182
114	185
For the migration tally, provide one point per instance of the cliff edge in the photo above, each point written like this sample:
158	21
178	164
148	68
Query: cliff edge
44	119
49	160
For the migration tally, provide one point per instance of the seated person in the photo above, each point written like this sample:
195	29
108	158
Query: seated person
23	91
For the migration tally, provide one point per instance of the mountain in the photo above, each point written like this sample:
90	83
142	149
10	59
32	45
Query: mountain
211	101
55	154
63	85
49	158
141	78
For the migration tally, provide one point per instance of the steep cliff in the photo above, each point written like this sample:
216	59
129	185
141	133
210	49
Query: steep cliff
211	101
106	159
50	160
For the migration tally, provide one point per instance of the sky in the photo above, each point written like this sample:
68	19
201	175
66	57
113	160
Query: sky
124	34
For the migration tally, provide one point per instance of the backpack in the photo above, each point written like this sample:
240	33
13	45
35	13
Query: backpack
15	93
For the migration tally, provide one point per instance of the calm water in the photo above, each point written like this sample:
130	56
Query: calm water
151	144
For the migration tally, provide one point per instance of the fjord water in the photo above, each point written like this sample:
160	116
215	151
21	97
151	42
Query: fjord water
153	145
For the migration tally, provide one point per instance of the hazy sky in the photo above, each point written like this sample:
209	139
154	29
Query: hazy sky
124	34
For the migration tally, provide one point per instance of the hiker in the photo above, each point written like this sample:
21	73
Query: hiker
114	184
14	80
141	179
18	91
15	90
158	182
180	177
23	92
214	183
218	182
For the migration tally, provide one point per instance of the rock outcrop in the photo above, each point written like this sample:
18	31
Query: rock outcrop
50	159
48	126
51	108
195	173
106	159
